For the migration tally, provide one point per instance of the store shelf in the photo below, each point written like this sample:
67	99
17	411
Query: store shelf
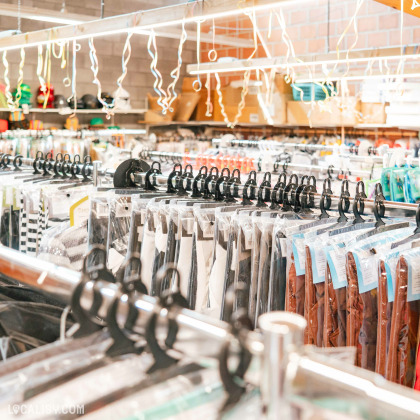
223	124
79	111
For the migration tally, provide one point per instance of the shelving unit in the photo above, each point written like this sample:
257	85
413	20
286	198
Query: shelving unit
79	111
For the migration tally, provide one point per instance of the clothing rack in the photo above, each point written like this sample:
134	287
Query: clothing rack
287	368
159	180
70	133
186	157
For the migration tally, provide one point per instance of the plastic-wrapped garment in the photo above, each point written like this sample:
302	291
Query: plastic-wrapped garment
30	373
186	392
362	301
362	318
64	245
27	325
161	240
314	305
98	224
198	284
265	225
384	321
243	259
387	271
400	366
334	334
147	256
220	271
84	389
138	218
24	362
118	230
10	224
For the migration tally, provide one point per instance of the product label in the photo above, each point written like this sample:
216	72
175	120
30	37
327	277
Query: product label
79	212
123	210
299	254
367	272
319	260
413	262
9	196
102	210
336	258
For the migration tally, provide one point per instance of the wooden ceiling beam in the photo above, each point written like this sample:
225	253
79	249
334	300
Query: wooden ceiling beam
408	6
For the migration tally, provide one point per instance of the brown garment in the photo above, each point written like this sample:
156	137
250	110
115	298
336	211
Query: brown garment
384	321
295	291
362	318
314	306
334	332
400	366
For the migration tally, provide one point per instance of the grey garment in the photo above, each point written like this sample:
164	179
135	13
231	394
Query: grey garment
147	255
65	246
216	281
277	284
230	270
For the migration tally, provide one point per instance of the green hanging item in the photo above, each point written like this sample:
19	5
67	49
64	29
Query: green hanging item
386	182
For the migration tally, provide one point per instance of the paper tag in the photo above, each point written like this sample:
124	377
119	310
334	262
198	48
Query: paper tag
102	210
9	196
207	228
234	256
299	255
115	259
140	230
189	226
413	262
254	118
226	234
59	208
336	259
247	237
283	247
123	210
79	212
320	261
367	272
142	216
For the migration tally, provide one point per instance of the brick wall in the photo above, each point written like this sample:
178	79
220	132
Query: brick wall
139	79
316	26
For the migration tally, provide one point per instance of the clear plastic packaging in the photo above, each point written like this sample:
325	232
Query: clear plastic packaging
403	342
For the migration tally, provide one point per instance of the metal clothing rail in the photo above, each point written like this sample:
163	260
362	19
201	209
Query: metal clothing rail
159	180
70	133
186	157
288	370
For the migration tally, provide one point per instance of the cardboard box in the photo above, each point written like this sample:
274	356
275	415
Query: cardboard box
338	112
187	84
186	106
201	109
256	110
373	113
282	86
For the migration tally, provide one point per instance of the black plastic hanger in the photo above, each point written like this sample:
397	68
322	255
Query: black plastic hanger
233	186
291	186
168	299
212	177
264	191
248	193
277	192
185	181
224	178
325	203
358	203
240	325
197	188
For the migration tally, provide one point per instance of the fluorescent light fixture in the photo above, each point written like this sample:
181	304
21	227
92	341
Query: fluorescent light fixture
278	63
52	19
140	21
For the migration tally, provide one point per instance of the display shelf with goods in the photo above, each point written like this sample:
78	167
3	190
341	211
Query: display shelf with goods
249	188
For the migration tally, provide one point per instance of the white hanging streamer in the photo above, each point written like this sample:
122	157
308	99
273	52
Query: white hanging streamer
172	95
9	96
4	347
157	85
76	47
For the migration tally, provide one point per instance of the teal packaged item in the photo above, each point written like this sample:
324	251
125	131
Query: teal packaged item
412	185
386	184
397	184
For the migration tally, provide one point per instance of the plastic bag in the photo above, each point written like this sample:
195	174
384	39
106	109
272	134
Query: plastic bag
401	363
